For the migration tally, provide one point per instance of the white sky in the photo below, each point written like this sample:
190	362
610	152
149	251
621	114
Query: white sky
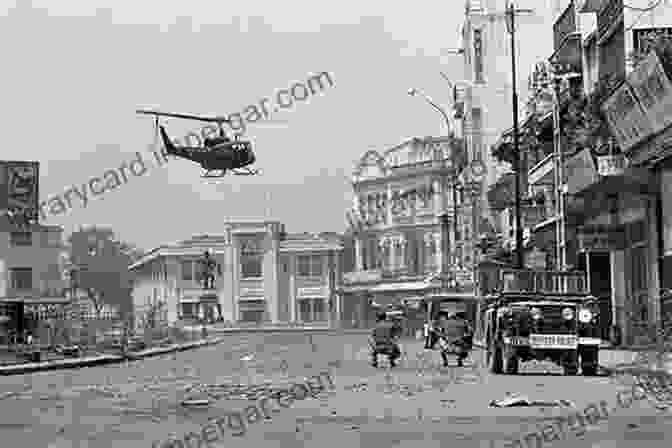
71	81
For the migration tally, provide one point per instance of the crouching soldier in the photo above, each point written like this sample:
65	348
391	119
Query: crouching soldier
455	337
384	340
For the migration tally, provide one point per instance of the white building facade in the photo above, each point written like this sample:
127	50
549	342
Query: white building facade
263	276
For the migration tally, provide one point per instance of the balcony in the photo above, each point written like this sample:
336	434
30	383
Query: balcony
35	293
564	26
610	15
590	5
542	172
372	275
567	42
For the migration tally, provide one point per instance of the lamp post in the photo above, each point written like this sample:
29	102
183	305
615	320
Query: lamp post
444	219
511	28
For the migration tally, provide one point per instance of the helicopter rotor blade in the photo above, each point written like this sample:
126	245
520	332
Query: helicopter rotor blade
183	116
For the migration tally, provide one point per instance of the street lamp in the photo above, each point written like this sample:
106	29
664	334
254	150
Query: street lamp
413	92
511	28
444	217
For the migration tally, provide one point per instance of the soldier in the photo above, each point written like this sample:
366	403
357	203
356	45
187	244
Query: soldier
384	340
457	335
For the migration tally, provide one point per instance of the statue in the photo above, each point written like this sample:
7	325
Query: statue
208	271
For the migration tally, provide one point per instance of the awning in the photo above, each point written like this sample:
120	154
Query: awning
405	286
38	300
251	299
453	296
633	180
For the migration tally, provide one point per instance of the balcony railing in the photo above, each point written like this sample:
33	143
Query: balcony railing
362	276
36	292
564	26
608	15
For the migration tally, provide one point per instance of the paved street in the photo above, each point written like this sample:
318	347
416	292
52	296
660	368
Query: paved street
135	404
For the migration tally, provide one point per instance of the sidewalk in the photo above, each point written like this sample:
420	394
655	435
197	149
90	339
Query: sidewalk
90	361
219	328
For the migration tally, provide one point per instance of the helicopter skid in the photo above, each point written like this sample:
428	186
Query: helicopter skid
209	175
247	172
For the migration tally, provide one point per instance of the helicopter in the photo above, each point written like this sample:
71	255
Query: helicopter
218	154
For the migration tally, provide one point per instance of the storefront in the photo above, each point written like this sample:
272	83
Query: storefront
252	309
614	239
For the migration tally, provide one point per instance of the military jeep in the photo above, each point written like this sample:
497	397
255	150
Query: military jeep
542	315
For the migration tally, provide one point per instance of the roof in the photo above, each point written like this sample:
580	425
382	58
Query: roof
538	297
544	302
311	242
216	244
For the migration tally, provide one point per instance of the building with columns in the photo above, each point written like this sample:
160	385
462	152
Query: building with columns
399	238
263	275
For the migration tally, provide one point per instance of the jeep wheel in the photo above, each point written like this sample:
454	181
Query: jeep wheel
511	361
589	361
571	363
495	359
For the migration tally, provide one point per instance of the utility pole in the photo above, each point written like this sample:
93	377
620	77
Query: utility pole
511	25
559	179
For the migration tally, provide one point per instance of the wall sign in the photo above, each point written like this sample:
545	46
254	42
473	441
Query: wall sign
612	165
626	117
654	91
640	107
666	193
580	172
319	291
642	38
19	183
601	238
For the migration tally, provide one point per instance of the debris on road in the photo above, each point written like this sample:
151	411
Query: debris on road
201	402
514	400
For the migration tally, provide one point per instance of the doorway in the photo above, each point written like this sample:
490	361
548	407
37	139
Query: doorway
599	266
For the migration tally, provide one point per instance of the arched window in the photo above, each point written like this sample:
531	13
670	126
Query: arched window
251	258
478	56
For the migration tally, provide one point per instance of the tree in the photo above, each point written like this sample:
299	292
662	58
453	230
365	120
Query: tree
100	267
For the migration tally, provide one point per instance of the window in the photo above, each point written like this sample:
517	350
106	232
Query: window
312	310
253	311
251	258
310	265
21	238
478	56
187	270
22	278
477	139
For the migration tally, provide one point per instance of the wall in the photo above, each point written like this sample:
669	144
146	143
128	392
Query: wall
533	43
284	293
658	17
44	257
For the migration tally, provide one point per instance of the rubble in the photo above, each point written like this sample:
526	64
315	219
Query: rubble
513	400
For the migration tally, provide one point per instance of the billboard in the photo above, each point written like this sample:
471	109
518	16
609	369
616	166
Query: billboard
627	119
654	91
639	108
19	186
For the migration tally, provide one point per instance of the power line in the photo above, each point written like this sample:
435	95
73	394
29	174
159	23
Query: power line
647	9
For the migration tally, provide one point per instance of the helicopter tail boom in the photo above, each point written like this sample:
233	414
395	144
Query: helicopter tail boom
170	146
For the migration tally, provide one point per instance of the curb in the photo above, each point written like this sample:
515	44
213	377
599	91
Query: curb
289	330
102	360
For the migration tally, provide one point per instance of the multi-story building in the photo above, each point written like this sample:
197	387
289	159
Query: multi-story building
400	240
483	100
264	275
607	221
31	271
